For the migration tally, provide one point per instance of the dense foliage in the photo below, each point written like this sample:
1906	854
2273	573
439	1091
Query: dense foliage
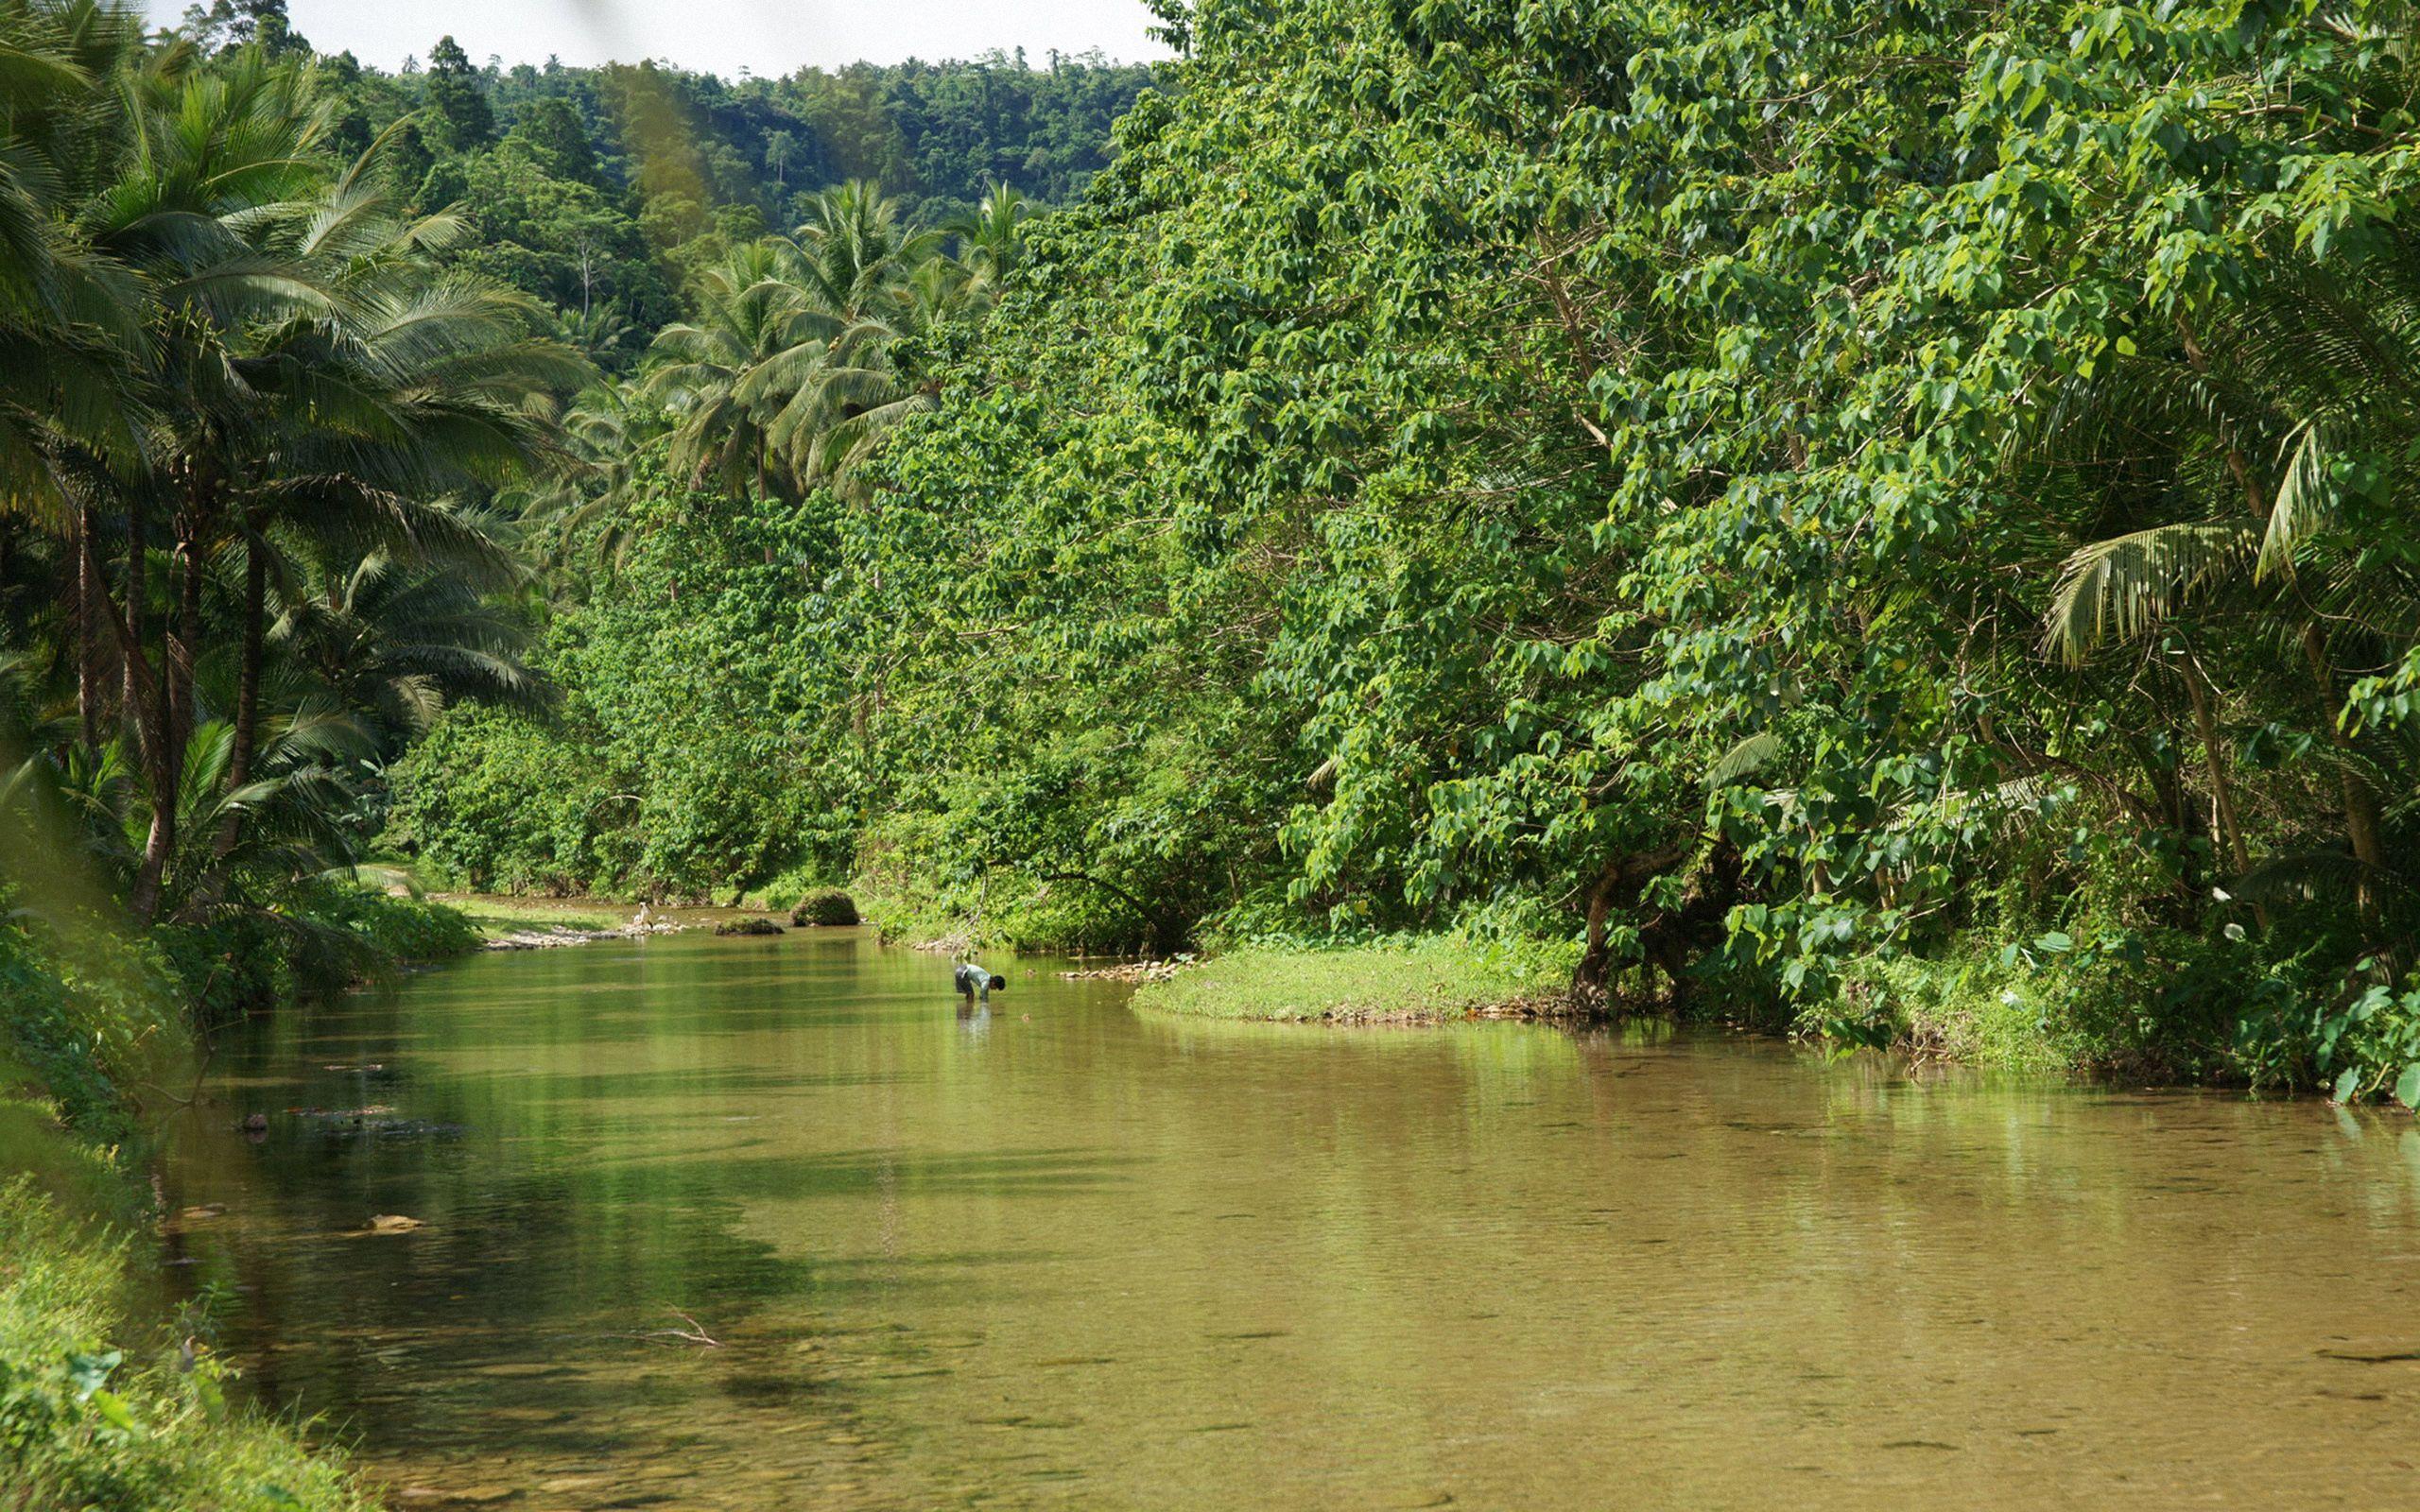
1878	518
300	342
1885	518
302	379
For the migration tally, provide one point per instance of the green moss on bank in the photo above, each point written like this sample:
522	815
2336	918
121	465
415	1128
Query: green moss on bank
1426	980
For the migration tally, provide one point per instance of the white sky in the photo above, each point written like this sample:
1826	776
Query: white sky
767	36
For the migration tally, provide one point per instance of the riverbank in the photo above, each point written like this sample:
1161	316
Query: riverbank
107	1405
505	922
1433	980
2031	1015
107	1398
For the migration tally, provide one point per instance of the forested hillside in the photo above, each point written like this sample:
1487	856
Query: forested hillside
606	191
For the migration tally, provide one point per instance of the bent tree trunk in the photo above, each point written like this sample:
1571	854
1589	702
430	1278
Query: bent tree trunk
2363	825
1621	881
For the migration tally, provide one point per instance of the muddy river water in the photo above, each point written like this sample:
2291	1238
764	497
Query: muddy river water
1067	1255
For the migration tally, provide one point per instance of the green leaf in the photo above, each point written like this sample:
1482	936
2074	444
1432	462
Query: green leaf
91	1372
2346	1084
113	1410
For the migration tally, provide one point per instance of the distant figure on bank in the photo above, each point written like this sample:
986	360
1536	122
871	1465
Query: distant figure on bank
975	984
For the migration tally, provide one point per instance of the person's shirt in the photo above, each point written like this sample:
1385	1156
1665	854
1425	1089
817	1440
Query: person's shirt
975	979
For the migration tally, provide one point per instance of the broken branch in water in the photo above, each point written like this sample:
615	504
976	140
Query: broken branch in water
695	1333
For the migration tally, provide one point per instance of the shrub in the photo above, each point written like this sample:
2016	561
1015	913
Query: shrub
747	926
84	1021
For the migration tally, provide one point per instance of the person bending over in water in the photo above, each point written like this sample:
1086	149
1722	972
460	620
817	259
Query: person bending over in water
975	984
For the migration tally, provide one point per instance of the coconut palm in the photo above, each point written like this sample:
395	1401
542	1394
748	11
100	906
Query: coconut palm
753	310
221	345
395	643
848	392
989	237
883	287
855	249
413	384
2265	544
70	315
216	163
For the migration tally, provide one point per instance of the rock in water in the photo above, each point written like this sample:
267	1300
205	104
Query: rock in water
747	926
825	905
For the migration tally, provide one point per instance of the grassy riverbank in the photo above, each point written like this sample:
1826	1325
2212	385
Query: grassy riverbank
495	917
104	1404
106	1399
1417	981
2033	1014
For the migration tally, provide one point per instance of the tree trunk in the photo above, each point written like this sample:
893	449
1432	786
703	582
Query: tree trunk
2222	790
146	703
184	640
89	586
1624	873
2364	826
1596	962
138	605
247	679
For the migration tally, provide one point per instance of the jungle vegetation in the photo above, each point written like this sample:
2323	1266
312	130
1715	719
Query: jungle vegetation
1879	521
1876	519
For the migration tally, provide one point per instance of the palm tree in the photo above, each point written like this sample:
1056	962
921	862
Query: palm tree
70	315
2284	429
881	287
805	354
395	644
991	236
855	249
848	393
415	382
212	164
217	343
753	310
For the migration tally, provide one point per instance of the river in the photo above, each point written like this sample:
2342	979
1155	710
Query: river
1072	1256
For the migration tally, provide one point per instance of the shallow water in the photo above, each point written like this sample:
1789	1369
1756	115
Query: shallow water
1070	1255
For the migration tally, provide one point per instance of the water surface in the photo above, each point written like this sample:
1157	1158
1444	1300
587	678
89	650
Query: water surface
1068	1256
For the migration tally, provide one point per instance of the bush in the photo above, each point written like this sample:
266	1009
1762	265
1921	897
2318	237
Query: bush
325	936
825	905
400	930
82	1022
